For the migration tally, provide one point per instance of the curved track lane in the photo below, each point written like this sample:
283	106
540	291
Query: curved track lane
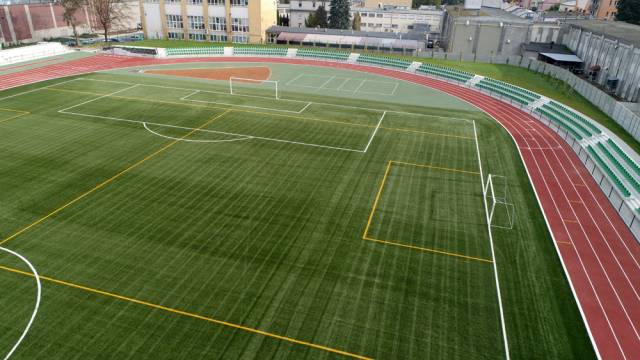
599	254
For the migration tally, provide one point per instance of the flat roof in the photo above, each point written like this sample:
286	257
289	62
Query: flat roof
372	34
485	14
618	30
563	57
348	40
547	48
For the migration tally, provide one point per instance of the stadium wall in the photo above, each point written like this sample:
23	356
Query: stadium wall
30	23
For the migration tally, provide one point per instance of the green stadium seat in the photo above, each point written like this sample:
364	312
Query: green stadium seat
607	170
632	164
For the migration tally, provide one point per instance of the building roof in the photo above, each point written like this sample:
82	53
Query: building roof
547	48
372	34
348	40
485	14
563	57
621	31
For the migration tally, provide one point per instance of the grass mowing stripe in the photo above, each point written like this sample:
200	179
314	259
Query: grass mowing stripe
186	313
109	180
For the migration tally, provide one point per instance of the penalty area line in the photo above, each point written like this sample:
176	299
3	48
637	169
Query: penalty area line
189	314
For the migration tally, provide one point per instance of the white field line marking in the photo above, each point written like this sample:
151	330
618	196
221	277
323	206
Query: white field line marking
493	254
99	97
189	95
374	132
359	86
211	131
326	82
378	92
280	99
304	108
35	308
346	80
294	79
40	88
193	140
395	88
245	106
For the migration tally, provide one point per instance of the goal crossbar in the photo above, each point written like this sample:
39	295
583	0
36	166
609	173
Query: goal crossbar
254	81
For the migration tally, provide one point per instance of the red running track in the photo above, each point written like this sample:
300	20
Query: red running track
599	254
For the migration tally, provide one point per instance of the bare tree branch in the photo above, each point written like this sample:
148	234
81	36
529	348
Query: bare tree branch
108	13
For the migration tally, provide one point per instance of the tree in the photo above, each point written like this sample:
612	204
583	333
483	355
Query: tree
321	17
629	11
339	14
108	13
70	8
357	22
311	21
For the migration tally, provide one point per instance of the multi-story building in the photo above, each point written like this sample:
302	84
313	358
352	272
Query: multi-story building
299	10
604	9
208	20
399	20
395	18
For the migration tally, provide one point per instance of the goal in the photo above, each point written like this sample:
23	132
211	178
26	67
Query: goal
253	87
501	211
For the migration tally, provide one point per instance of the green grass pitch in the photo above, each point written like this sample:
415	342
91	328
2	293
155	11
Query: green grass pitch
169	219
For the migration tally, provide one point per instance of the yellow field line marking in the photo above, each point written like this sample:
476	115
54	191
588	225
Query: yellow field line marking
20	113
236	109
436	167
423	249
576	201
375	202
564	242
365	235
187	314
569	221
111	179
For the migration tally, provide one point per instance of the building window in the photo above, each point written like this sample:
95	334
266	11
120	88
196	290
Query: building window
172	1
196	22
240	25
240	38
239	2
174	22
194	2
152	1
219	38
174	35
198	37
216	2
218	23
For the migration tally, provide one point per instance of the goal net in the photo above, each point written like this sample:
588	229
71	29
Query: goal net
253	87
501	211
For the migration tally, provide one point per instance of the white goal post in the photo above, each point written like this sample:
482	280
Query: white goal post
495	191
256	84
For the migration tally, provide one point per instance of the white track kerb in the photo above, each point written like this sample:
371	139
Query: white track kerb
35	308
